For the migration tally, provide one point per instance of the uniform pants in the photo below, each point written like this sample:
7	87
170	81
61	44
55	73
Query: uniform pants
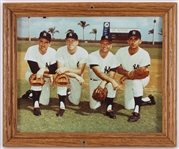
133	88
92	85
45	94
75	89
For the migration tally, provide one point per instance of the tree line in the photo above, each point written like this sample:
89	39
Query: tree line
83	24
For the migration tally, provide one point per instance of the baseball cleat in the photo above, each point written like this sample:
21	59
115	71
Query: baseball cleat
135	116
152	100
60	112
28	94
110	114
37	112
68	91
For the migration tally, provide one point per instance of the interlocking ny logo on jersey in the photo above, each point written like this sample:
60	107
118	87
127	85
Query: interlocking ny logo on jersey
106	70
135	66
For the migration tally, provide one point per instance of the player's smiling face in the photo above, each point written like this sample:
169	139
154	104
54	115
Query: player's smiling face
105	46
134	42
43	45
71	44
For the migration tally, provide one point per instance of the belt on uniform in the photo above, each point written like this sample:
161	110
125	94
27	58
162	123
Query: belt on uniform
93	79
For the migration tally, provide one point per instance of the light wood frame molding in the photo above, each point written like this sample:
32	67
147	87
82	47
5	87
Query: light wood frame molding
168	12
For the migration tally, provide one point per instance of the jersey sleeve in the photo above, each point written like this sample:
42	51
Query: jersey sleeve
30	55
53	57
118	58
145	61
84	57
114	62
92	60
59	56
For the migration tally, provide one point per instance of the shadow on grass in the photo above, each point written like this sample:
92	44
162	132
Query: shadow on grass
81	109
83	119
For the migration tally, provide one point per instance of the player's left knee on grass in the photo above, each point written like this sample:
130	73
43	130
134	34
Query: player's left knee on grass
94	104
75	97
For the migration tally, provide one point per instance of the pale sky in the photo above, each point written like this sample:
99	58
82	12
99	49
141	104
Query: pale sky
62	24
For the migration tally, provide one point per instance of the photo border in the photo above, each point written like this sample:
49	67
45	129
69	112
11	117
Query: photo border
168	12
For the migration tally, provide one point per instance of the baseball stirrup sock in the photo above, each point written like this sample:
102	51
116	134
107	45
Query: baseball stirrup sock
36	96
138	103
62	101
109	103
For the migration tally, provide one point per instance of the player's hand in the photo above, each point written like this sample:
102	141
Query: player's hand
61	70
51	80
115	85
103	84
122	79
40	72
80	79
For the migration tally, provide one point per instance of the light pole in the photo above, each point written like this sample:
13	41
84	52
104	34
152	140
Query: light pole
29	28
153	31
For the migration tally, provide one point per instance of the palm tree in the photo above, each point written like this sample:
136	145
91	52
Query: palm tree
70	31
94	31
53	31
160	33
151	31
83	25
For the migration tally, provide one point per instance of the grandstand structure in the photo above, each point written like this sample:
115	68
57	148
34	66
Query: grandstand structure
120	34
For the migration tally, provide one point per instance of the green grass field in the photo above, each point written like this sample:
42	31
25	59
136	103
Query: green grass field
81	118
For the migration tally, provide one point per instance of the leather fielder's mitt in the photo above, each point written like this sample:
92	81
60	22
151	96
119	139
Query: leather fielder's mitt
61	79
139	73
100	94
34	81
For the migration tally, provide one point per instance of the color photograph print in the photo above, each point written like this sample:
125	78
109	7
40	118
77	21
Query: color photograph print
81	118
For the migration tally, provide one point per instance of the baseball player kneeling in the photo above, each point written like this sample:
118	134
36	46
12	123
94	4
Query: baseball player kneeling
102	67
41	58
71	61
133	65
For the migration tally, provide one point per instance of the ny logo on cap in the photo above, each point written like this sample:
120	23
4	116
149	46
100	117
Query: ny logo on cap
45	34
70	34
134	32
106	37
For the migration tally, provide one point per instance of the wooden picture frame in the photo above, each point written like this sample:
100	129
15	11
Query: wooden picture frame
168	11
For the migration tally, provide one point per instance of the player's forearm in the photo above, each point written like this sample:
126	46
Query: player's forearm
104	77
70	74
52	68
73	70
121	71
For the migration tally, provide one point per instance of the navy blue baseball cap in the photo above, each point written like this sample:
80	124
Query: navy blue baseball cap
45	35
72	35
134	33
106	37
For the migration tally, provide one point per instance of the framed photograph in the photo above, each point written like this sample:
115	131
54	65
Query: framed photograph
19	130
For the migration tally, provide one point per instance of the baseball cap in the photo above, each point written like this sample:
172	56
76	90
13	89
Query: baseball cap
72	35
45	35
134	33
106	37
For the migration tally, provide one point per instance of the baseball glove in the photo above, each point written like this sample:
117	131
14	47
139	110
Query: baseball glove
61	79
100	94
34	81
139	73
